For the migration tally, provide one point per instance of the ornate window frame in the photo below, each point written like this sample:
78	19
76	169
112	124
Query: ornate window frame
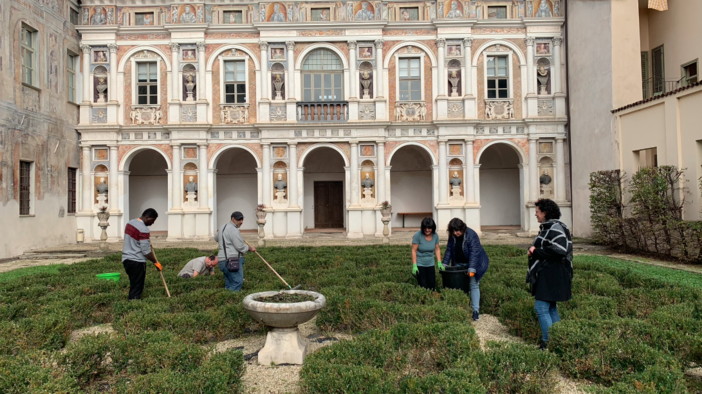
222	90
422	82
135	64
395	11
510	73
32	49
156	11
245	14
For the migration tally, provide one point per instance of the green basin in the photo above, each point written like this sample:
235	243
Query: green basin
111	276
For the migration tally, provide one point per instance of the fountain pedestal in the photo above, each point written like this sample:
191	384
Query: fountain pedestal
283	346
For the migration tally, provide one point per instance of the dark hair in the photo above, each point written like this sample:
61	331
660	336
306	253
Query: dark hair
456	224
549	207
428	223
150	213
212	258
236	215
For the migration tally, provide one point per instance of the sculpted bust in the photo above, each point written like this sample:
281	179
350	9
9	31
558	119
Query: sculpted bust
367	182
455	180
545	179
191	187
188	17
102	187
280	184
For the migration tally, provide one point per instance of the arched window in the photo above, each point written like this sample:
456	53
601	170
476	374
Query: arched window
322	74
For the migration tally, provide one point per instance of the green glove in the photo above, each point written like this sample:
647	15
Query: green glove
415	269
441	266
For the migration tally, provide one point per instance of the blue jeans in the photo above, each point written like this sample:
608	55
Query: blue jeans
474	285
548	315
233	280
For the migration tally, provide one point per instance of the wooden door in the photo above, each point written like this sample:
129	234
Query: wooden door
328	205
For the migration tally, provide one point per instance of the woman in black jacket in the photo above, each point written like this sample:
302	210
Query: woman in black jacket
550	274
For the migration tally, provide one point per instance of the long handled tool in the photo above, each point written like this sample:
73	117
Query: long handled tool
269	266
160	272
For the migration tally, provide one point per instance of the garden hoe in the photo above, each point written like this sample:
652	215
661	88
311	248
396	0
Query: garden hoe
276	274
168	293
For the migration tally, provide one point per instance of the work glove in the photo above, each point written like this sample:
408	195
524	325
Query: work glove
415	269
441	266
158	266
472	274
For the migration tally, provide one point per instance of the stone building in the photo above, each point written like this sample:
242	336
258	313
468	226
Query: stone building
39	96
321	111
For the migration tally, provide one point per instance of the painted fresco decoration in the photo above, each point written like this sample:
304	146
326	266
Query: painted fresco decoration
454	9
276	12
544	9
187	14
53	65
364	11
99	16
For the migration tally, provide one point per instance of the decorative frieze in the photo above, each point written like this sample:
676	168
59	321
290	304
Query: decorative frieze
499	109
188	114
455	110
234	114
145	115
366	112
410	111
545	107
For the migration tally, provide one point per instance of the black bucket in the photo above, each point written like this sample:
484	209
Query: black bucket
455	277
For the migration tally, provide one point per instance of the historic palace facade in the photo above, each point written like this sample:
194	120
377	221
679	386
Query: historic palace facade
320	111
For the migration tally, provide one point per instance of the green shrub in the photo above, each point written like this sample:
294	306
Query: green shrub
31	372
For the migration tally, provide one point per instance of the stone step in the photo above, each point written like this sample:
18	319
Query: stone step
52	256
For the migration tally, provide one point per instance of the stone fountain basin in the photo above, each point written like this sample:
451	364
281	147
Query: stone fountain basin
283	315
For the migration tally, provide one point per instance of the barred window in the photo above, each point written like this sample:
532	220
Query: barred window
72	172
147	83
234	81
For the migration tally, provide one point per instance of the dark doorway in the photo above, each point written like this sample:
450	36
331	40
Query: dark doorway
328	205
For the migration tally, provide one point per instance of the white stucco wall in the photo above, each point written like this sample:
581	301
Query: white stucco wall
321	164
149	191
237	193
499	197
411	183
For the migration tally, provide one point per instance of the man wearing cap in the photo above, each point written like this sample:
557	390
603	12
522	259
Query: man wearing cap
231	244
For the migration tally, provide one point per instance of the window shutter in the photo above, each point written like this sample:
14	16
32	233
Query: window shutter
644	75
658	70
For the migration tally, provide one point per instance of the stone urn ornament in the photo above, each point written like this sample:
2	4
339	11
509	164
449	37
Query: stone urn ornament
261	221
103	215
283	312
386	212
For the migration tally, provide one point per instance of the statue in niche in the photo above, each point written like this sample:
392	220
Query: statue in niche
455	188
365	82
544	10
98	17
545	179
101	88
280	186
364	14
278	86
455	12
277	16
367	184
453	78
191	191
546	186
189	86
102	190
188	17
543	78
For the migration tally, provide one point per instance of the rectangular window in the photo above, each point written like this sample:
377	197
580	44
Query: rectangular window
409	14
497	12
235	17
72	172
644	75
25	183
234	82
28	45
689	73
647	158
410	79
658	70
75	17
498	77
144	18
71	77
147	83
321	87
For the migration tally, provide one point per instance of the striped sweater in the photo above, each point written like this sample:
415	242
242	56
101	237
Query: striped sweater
136	241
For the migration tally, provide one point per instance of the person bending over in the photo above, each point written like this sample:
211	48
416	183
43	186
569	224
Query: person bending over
200	266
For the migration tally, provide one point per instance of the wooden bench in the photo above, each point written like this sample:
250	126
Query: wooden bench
425	214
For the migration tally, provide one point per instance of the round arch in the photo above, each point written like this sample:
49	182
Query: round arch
127	159
213	161
397	148
520	153
219	51
432	58
322	145
131	52
510	45
301	57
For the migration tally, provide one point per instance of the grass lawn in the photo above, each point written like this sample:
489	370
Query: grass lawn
629	328
18	273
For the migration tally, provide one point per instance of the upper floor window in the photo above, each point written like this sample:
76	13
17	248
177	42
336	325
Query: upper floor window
689	73
71	77
410	79
497	77
72	182
147	83
409	14
75	16
322	75
28	46
497	12
234	81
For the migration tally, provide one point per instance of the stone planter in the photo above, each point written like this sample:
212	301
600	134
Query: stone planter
386	212
284	345
261	215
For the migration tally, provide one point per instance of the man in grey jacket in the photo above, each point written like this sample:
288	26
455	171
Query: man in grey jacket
229	237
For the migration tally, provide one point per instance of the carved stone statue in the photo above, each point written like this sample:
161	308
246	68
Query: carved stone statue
455	182
191	186
543	76
191	193
545	179
453	78
189	87
102	187
365	82
367	182
545	185
278	86
101	88
544	10
280	185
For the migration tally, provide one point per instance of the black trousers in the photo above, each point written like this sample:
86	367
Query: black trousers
426	277
137	273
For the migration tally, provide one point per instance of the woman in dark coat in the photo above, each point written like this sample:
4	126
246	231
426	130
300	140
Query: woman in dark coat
550	274
469	252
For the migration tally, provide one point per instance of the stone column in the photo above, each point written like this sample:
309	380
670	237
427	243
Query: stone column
290	45
266	174
175	82
264	72
556	77
470	176
443	174
533	170
201	84
441	46
202	188
354	174
353	80
476	175
176	178
113	182
293	195
88	192
531	77
86	73
380	178
379	68
560	170
467	60
113	73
